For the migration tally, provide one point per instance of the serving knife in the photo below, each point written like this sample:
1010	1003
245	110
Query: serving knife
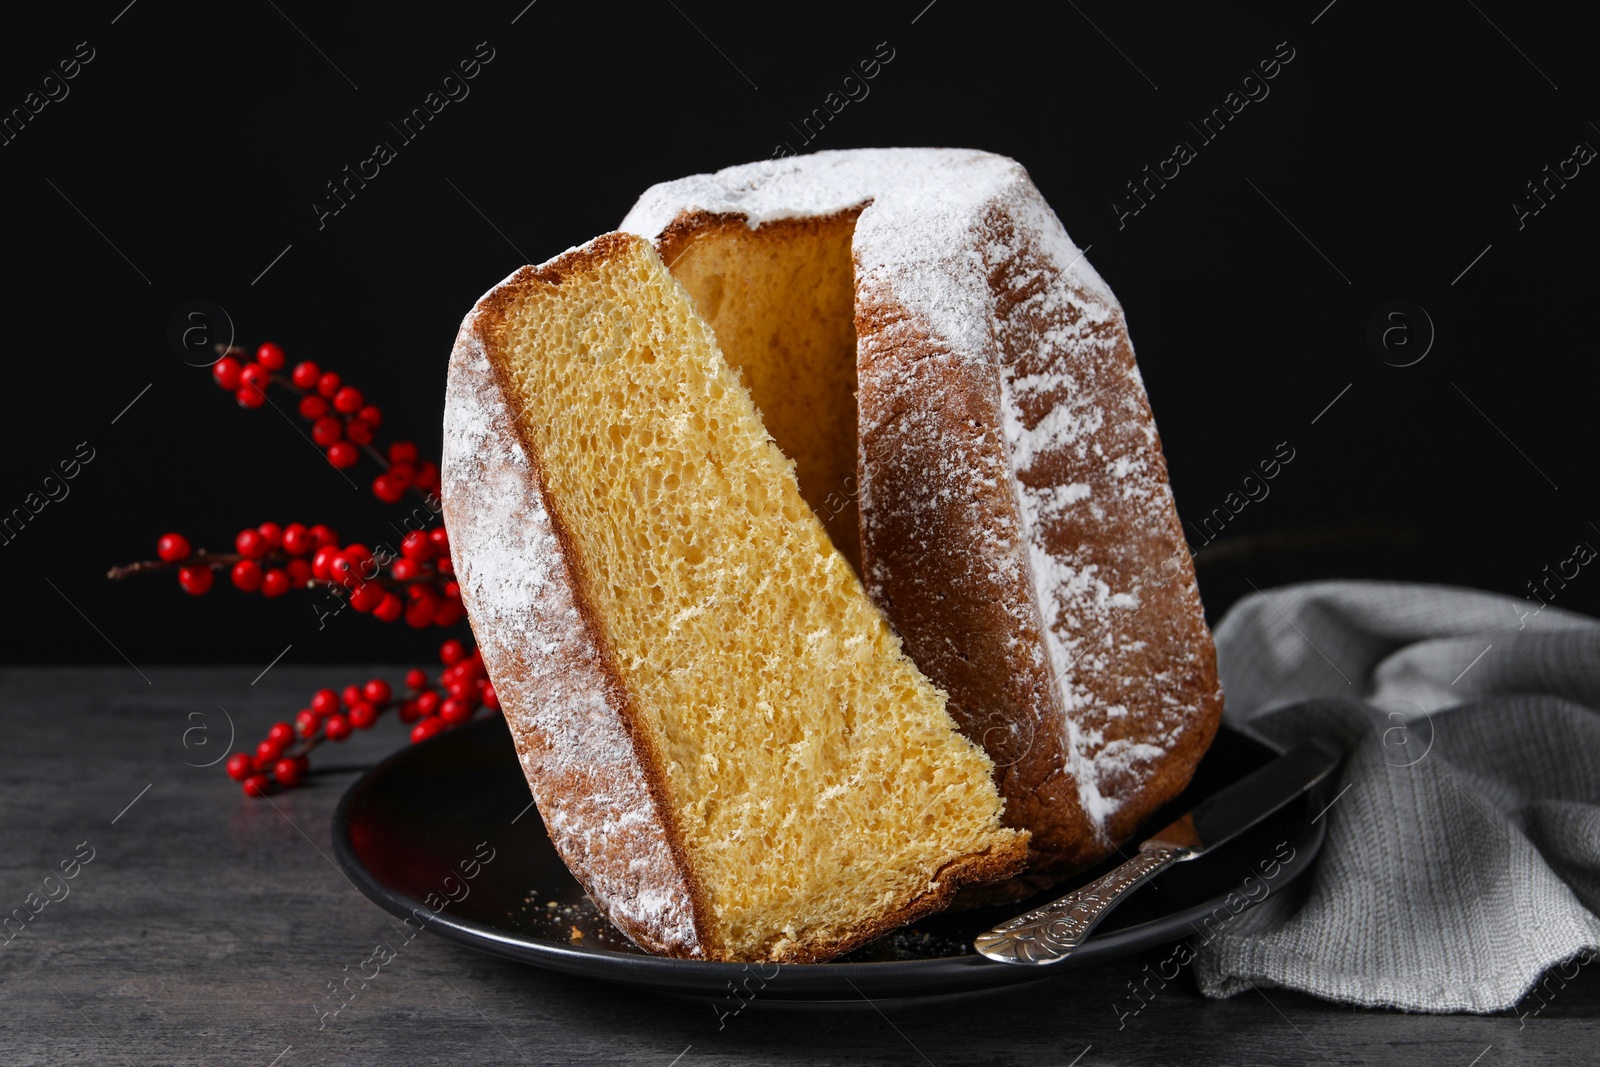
1052	933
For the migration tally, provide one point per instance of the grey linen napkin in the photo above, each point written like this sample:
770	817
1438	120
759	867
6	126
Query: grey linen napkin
1463	850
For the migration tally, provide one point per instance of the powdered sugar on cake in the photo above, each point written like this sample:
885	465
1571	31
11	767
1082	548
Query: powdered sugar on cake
1052	405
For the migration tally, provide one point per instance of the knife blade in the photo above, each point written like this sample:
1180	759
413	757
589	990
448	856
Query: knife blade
1052	933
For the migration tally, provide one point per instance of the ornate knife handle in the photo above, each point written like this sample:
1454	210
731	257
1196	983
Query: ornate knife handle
1051	933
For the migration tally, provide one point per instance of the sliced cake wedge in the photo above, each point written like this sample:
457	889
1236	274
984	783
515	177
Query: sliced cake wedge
724	738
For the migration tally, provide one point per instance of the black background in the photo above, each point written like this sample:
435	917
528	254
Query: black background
189	151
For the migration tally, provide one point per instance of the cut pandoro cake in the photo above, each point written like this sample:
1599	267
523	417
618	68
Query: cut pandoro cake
727	744
923	337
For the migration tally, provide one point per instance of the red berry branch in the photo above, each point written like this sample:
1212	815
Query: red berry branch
416	583
269	559
282	758
341	419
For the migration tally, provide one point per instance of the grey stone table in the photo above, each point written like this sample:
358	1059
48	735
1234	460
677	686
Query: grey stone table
206	927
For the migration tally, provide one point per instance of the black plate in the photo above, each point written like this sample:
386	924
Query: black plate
415	831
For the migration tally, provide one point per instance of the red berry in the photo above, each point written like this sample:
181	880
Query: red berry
440	539
359	431
289	772
256	785
313	407
416	678
274	583
461	689
344	569
445	566
416	546
254	377
268	750
419	612
452	590
342	454
249	398
403	474
305	375
428	476
328	384
337	727
351	695
322	562
226	372
194	580
247	575
372	415
270	356
408	711
403	452
272	534
448	613
306	723
428	702
326	430
363	715
387	489
452	651
281	732
455	712
361	556
389	609
250	543
403	570
367	596
377	691
491	699
299	572
172	547
426	728
240	766
296	539
348	400
322	534
325	702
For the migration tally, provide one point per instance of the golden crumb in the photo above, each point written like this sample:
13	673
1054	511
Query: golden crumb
781	300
